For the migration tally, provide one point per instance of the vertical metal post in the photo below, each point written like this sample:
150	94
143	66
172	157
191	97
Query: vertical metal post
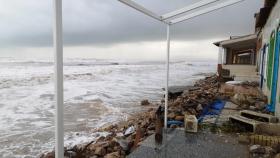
167	76
58	60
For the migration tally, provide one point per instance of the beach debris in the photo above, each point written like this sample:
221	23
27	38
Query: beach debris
129	131
191	123
100	151
138	136
258	151
175	91
159	125
175	123
113	155
145	102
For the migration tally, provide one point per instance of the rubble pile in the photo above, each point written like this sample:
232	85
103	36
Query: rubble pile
252	102
123	138
193	100
245	94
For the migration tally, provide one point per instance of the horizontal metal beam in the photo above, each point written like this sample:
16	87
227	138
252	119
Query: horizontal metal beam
188	8
141	9
204	11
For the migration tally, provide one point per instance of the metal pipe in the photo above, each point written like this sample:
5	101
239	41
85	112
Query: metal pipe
58	77
141	9
167	76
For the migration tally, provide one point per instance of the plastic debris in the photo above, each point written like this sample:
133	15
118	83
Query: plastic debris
129	131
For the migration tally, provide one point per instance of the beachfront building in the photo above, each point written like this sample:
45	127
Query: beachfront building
238	58
267	25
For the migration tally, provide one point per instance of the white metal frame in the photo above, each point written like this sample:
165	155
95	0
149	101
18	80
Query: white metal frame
58	53
188	8
58	75
205	11
166	20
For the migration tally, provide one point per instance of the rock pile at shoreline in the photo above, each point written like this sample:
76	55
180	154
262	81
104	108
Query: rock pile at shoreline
119	143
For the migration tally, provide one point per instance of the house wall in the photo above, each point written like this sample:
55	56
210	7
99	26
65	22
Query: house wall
269	27
242	72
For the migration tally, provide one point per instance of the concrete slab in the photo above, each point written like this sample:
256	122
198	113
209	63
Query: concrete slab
259	116
249	124
179	144
174	91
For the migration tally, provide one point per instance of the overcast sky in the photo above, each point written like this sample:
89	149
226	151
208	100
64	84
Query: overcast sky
109	29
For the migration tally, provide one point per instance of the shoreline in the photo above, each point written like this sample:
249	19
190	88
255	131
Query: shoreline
140	124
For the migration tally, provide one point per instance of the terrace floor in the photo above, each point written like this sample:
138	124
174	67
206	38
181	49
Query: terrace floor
179	144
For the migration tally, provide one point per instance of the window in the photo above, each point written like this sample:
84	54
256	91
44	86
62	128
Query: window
246	57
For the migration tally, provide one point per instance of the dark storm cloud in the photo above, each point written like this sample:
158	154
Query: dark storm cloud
104	22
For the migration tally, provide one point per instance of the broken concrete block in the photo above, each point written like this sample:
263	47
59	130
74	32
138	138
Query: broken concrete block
191	123
248	124
259	116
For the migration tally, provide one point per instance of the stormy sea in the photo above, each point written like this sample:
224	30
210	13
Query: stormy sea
97	92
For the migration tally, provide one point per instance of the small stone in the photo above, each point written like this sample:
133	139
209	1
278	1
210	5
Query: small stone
252	108
109	150
173	126
171	116
100	151
179	118
257	149
199	107
113	155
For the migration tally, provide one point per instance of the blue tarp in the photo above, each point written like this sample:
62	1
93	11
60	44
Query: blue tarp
213	109
173	122
269	108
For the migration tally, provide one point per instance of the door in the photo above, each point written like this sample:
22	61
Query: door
270	61
262	64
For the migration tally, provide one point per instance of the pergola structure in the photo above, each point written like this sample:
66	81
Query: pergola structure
168	19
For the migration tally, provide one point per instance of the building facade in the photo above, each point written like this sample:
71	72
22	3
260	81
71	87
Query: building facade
256	57
238	58
267	25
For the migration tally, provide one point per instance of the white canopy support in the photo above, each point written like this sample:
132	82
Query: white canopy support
164	18
167	75
141	9
188	8
58	76
205	11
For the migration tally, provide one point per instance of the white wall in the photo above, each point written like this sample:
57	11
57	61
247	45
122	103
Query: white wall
242	72
266	32
220	56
